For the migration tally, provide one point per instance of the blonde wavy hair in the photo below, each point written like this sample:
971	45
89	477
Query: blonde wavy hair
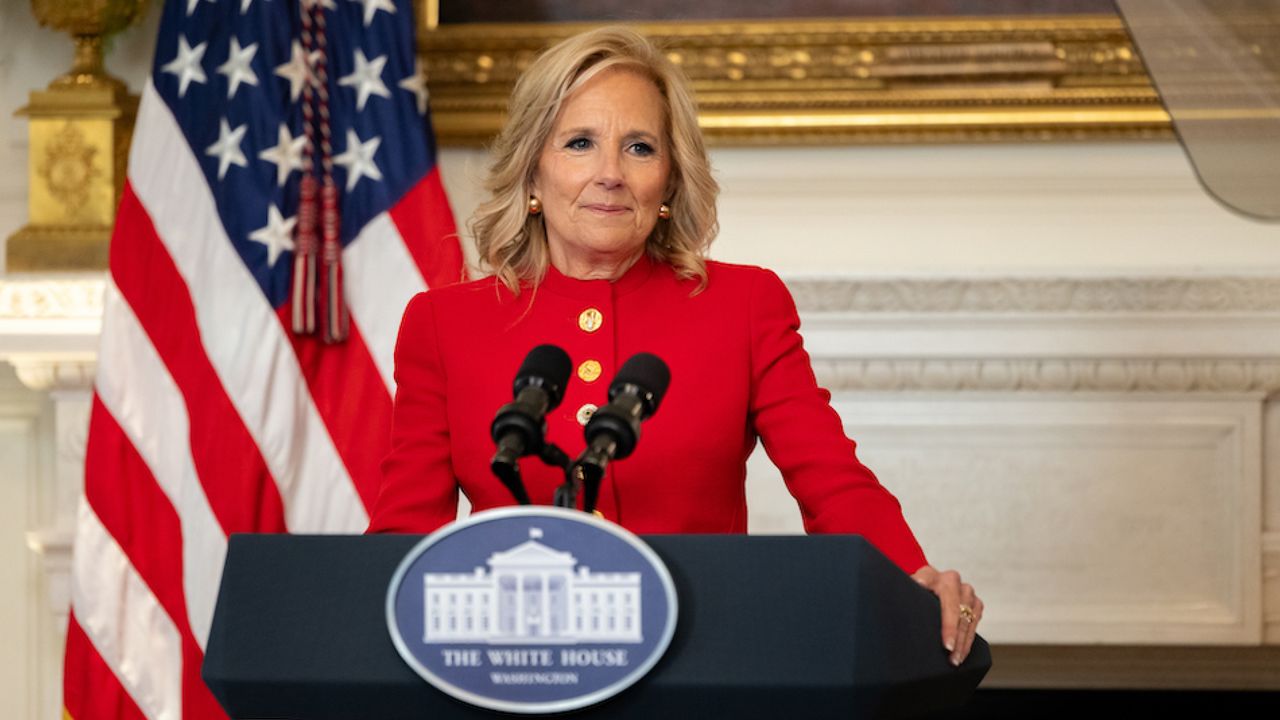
511	242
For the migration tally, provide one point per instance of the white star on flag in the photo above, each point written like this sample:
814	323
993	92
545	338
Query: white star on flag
373	6
297	71
187	65
237	68
358	159
367	77
227	148
417	84
276	235
287	154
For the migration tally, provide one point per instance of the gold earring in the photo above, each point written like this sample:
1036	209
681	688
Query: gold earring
664	211
535	206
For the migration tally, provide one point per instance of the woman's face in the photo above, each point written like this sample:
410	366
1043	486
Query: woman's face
602	174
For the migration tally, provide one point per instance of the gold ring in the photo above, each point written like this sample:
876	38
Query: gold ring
966	613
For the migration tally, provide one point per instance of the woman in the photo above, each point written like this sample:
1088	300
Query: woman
602	207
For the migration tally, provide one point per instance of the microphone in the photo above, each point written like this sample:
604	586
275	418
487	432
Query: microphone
614	429
519	425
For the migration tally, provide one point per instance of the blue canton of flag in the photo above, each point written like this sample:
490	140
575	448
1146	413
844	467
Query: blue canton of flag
244	118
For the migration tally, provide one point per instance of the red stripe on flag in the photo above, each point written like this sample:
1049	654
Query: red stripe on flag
89	689
240	489
426	223
135	511
352	399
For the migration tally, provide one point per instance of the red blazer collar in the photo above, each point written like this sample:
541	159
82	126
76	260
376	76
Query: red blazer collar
635	276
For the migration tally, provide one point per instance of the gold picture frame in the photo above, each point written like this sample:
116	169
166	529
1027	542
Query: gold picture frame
846	81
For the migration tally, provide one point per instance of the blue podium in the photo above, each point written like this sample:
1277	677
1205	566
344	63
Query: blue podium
782	626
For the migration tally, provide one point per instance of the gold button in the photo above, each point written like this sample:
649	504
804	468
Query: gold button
585	412
590	320
589	370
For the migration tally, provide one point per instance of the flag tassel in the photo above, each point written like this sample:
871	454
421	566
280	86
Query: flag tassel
333	309
303	290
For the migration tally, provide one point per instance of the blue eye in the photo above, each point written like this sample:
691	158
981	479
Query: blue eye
642	149
578	143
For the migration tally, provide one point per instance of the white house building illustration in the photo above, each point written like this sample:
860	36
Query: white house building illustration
531	594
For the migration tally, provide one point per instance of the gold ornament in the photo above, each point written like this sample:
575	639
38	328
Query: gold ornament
68	170
79	132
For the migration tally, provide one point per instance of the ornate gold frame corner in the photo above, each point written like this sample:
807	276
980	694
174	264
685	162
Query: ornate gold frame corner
899	80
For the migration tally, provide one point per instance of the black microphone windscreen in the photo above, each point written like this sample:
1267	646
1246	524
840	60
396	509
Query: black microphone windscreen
646	371
547	366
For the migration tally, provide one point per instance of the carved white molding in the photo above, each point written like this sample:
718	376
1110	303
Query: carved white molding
1129	335
51	298
53	548
54	371
1137	375
49	329
1038	295
82	297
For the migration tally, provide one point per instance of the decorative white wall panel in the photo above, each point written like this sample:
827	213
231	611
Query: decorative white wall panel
23	605
1099	519
42	443
1095	520
48	339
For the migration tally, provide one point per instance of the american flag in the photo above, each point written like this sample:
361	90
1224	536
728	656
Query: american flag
210	415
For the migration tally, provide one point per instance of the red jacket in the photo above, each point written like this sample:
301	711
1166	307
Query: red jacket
738	371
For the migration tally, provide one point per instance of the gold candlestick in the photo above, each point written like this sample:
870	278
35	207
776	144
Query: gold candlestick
79	133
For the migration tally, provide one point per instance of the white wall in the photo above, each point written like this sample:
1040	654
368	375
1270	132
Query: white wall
972	210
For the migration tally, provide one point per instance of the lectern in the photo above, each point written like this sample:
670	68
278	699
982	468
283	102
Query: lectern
769	627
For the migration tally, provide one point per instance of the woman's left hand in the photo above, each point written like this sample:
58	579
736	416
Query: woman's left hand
961	609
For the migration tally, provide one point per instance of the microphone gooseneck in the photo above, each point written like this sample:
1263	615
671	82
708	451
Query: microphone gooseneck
520	425
614	430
